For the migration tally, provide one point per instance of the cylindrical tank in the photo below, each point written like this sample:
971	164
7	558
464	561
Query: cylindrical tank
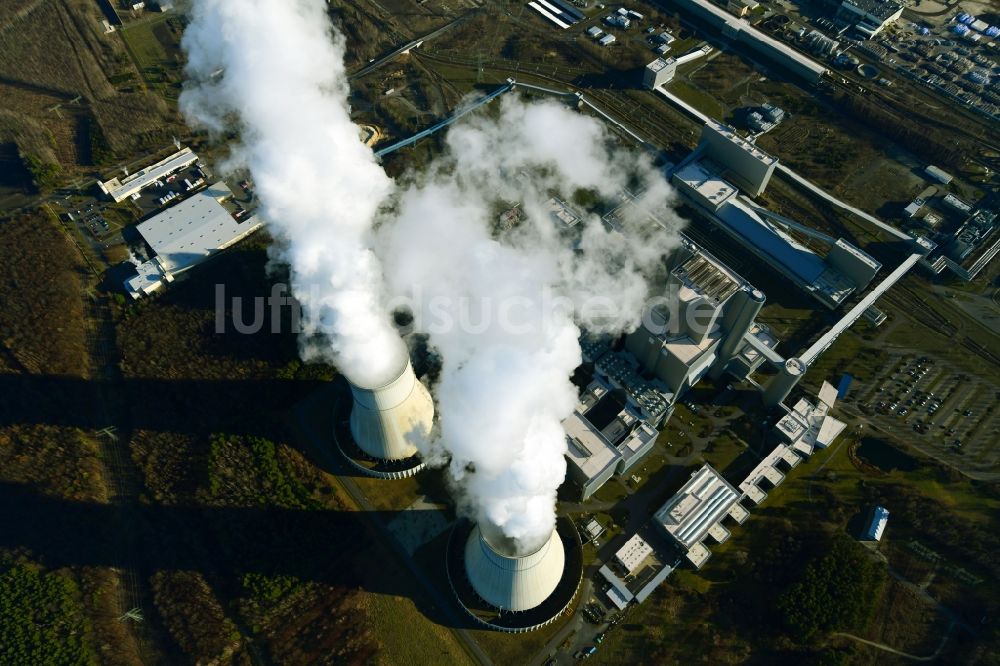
744	308
510	581
388	421
782	385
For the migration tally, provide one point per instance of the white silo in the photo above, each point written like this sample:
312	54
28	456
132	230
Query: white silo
510	581
388	420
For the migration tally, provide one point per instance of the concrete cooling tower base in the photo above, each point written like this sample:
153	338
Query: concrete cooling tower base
359	459
506	620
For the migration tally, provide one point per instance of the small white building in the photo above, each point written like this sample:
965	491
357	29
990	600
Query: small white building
876	525
938	174
632	555
607	40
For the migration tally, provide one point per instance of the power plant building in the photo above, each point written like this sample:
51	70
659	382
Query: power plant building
507	589
706	179
739	161
633	554
741	32
121	189
713	310
187	234
808	425
658	72
604	437
696	512
510	581
869	17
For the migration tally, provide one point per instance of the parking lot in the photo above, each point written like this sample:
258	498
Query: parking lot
937	405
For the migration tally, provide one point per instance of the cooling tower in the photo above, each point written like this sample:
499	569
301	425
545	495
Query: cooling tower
513	582
387	420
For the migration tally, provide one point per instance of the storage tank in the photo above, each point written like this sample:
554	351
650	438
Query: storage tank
388	420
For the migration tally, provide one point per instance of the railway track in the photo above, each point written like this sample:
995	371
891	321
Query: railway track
914	307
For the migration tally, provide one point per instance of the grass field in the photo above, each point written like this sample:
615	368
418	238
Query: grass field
144	44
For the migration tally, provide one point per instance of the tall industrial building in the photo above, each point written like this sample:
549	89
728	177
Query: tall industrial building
658	72
510	581
712	177
704	326
739	161
781	385
388	420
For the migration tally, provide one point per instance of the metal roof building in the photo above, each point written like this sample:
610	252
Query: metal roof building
121	189
697	510
876	526
187	234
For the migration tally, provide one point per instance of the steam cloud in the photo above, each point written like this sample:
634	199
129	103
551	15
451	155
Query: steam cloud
284	88
503	308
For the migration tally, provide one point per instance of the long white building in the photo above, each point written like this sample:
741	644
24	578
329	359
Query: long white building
739	30
121	189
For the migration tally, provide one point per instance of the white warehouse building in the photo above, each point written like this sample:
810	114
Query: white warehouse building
187	234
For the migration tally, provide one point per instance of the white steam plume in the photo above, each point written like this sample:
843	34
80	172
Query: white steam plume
504	386
283	87
502	309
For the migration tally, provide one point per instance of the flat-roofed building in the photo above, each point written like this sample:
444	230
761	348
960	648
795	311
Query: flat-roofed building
187	234
808	426
705	187
740	161
876	524
696	509
121	189
659	71
633	554
604	437
870	17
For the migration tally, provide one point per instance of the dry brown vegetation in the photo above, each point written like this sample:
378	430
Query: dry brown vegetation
42	323
56	73
43	334
248	549
194	617
43	342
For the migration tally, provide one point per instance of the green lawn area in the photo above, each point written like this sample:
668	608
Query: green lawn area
144	44
698	99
